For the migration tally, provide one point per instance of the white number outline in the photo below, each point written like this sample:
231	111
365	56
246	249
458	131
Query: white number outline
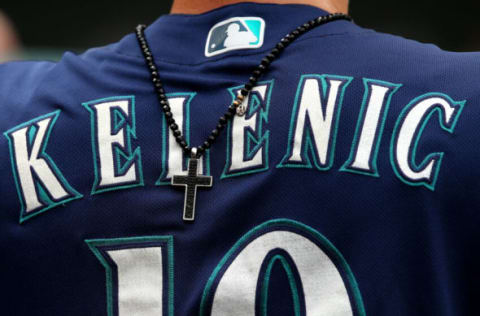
98	246
306	231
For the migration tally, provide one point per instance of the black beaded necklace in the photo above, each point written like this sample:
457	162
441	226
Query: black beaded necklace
192	180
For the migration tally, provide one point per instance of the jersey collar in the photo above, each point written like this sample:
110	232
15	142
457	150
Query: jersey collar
181	38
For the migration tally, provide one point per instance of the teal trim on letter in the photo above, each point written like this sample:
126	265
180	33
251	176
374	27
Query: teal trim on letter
263	138
309	148
118	120
73	194
438	156
95	244
291	281
163	180
130	156
312	234
373	172
32	131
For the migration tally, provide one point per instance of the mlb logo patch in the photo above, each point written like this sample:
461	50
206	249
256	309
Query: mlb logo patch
235	33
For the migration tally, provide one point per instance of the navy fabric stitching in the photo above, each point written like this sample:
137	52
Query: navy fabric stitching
239	55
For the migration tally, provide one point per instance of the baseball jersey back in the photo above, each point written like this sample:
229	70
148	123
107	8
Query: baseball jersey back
349	187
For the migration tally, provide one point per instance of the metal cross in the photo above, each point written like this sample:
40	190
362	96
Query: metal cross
191	181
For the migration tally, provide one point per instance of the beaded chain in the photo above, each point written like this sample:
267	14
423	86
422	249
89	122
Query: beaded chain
235	107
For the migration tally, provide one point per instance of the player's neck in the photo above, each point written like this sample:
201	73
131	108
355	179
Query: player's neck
201	6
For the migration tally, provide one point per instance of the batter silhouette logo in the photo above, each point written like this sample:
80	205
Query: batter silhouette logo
235	33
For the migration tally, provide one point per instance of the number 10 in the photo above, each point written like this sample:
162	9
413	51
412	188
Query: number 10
139	274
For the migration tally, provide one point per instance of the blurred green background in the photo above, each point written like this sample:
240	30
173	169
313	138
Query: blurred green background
48	28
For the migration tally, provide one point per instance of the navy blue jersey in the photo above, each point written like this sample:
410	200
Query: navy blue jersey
349	187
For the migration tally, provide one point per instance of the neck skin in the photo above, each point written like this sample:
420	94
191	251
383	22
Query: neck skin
202	6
